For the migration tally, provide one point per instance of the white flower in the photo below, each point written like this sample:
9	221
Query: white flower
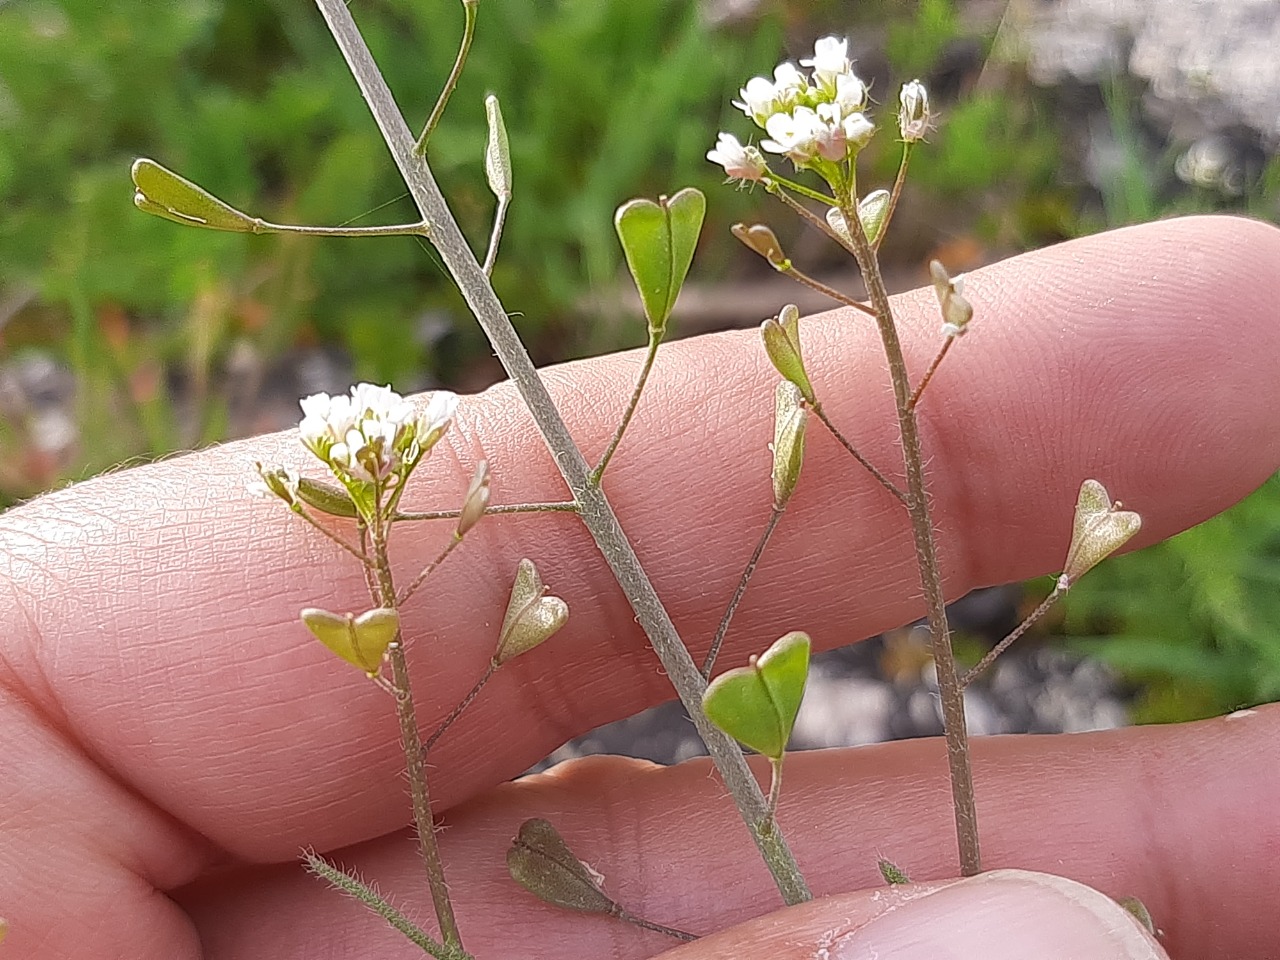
830	59
761	98
798	134
850	94
913	111
739	162
373	435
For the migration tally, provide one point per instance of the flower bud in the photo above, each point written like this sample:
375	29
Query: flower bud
956	310
361	641
1099	530
913	111
789	419
476	501
872	210
531	616
276	482
760	239
781	337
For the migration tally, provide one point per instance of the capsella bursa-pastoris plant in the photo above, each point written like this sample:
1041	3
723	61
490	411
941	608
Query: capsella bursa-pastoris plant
816	117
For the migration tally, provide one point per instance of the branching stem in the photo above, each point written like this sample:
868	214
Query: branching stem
789	270
596	511
465	702
951	692
429	569
928	374
898	181
1017	632
853	451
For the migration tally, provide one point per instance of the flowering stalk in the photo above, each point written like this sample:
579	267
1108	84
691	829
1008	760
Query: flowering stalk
596	512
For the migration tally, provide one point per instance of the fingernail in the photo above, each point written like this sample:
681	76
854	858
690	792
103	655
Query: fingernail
1003	915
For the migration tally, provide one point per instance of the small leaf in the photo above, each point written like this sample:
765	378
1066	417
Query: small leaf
757	704
789	419
892	873
659	240
497	151
542	863
531	617
163	193
1099	530
781	337
361	641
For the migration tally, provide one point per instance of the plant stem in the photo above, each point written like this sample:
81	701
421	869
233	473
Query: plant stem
1017	632
414	763
951	692
857	455
655	340
499	220
559	506
775	787
788	270
928	374
450	84
622	914
429	569
775	515
357	553
898	181
354	887
462	705
809	216
420	229
596	512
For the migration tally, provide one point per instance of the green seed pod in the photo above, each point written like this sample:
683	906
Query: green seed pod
361	641
1099	530
531	616
789	419
781	337
542	863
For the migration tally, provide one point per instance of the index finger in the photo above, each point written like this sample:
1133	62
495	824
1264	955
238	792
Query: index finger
161	603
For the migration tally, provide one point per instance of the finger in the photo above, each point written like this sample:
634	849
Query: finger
162	601
1002	915
1181	817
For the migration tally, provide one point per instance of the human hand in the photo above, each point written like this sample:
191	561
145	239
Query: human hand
172	736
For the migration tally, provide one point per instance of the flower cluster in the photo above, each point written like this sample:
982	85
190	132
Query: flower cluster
807	118
373	436
816	120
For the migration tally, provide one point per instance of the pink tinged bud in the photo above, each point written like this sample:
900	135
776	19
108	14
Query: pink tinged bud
476	501
913	111
1100	529
361	641
739	162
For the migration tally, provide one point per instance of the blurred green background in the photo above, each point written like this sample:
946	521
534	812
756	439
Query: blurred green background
124	337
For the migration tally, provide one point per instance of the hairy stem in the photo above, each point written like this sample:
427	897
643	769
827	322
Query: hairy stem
465	702
1017	632
788	270
898	181
951	691
853	451
414	763
429	569
595	510
928	374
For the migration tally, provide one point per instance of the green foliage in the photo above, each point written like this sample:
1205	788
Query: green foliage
1194	618
914	47
249	99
